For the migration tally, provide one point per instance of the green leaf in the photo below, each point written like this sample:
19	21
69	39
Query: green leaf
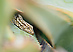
5	12
55	25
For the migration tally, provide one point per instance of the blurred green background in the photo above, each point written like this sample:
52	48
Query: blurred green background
54	19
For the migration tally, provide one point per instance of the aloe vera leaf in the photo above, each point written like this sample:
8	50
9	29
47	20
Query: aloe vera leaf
16	31
64	4
12	32
52	23
46	19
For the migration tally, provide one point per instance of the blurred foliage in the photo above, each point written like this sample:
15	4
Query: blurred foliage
54	23
63	4
5	13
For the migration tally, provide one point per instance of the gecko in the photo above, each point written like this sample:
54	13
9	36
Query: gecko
23	25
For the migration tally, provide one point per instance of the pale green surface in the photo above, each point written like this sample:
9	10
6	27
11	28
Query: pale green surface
18	31
64	4
30	47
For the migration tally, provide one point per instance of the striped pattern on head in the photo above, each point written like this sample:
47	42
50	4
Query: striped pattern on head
19	22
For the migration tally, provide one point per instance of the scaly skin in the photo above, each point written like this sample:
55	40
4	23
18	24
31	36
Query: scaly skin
19	22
